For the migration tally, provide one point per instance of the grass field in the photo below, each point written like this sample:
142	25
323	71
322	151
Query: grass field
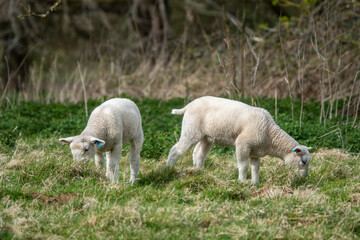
44	194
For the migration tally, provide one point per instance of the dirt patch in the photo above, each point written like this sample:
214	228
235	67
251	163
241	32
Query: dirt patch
355	198
55	200
205	223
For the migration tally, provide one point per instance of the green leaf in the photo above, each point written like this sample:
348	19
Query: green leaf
275	2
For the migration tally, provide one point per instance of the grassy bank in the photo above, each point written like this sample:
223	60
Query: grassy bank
43	194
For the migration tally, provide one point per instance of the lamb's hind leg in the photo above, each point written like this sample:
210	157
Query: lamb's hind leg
242	157
190	135
180	149
255	165
201	150
135	148
112	168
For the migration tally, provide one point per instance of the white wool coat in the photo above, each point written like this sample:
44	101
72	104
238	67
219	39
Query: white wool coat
251	130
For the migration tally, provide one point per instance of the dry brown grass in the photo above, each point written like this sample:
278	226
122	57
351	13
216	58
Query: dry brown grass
314	56
324	153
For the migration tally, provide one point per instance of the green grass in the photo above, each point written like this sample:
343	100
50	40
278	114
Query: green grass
44	194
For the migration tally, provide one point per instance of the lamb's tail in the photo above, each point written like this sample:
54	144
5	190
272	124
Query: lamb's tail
178	111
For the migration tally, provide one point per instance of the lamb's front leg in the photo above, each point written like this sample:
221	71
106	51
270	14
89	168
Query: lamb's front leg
255	165
242	157
99	160
112	168
108	156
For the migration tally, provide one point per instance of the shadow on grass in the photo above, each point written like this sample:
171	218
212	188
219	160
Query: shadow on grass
235	195
299	181
82	171
79	171
158	177
6	232
14	194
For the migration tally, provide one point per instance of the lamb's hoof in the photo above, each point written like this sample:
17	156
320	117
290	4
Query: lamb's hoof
169	165
112	179
99	166
200	167
243	181
133	181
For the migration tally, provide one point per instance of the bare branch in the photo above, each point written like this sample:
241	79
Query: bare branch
29	13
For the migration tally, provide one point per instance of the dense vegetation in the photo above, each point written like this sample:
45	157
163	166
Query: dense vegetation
44	194
34	120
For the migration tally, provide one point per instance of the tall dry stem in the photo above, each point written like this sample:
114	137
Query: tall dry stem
286	71
351	94
234	88
356	108
276	106
242	56
300	77
84	89
291	98
257	59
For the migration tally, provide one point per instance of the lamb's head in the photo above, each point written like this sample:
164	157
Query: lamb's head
299	158
83	147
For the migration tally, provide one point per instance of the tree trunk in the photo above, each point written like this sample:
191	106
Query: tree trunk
14	63
151	20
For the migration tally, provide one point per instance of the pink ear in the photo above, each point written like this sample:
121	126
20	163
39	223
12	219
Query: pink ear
296	150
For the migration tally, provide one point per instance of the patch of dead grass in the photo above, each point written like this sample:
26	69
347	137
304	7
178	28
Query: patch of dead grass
323	153
20	158
272	192
14	163
284	191
3	158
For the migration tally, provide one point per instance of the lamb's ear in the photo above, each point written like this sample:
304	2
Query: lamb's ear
306	148
97	141
66	140
297	150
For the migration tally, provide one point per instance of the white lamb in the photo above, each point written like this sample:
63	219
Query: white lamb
251	130
110	125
